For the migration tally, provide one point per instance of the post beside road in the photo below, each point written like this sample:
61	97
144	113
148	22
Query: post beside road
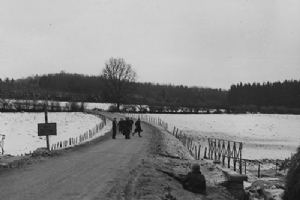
46	122
2	143
46	129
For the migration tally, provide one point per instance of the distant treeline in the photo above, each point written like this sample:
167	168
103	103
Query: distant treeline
60	87
80	88
277	97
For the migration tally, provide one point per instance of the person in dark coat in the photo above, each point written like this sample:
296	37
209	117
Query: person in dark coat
121	126
114	128
130	124
127	128
138	128
194	181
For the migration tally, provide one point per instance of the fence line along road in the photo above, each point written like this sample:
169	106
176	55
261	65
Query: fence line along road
82	138
225	152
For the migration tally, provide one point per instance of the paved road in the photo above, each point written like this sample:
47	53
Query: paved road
87	173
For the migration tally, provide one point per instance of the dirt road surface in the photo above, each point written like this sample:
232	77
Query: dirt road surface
89	172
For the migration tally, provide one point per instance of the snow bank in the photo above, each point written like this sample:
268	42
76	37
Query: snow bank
21	129
264	135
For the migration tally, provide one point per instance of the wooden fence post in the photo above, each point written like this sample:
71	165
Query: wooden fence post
215	149
240	153
199	149
258	171
234	156
228	154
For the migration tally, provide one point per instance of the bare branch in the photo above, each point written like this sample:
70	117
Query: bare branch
118	73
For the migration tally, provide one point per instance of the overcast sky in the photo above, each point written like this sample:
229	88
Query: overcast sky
212	43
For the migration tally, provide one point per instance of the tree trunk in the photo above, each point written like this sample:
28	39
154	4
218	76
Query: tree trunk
118	106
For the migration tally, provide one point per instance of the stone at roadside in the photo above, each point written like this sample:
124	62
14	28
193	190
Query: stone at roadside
44	152
266	189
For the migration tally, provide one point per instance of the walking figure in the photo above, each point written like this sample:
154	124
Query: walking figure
138	128
122	126
114	128
130	124
127	128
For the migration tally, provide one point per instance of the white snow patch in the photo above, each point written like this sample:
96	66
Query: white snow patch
21	129
264	135
88	105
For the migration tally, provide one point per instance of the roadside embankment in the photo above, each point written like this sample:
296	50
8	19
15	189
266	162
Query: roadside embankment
170	156
166	155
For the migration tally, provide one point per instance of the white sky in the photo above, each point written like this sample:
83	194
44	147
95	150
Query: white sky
211	43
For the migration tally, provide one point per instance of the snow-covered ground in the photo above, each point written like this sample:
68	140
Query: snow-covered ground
264	135
87	105
20	129
102	106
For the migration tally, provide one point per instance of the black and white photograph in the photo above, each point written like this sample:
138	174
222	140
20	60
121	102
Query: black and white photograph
149	100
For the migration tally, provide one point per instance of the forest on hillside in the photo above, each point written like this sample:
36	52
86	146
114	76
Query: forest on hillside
277	97
81	88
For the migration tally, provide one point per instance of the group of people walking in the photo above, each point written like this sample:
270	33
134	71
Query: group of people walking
194	181
125	126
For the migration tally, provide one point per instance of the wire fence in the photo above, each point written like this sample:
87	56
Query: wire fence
225	152
82	138
72	141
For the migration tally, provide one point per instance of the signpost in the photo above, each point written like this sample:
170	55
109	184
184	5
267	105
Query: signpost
2	143
46	129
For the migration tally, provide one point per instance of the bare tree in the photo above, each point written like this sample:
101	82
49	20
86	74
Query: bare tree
118	75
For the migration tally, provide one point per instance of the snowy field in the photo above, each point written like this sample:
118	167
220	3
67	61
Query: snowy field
21	129
102	106
87	105
64	104
264	135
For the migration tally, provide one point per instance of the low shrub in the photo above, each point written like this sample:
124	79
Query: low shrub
292	191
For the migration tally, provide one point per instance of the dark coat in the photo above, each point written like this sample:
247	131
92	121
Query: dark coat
194	182
127	126
114	126
138	127
122	125
130	123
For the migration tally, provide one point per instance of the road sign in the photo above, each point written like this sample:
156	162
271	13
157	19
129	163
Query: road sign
45	129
